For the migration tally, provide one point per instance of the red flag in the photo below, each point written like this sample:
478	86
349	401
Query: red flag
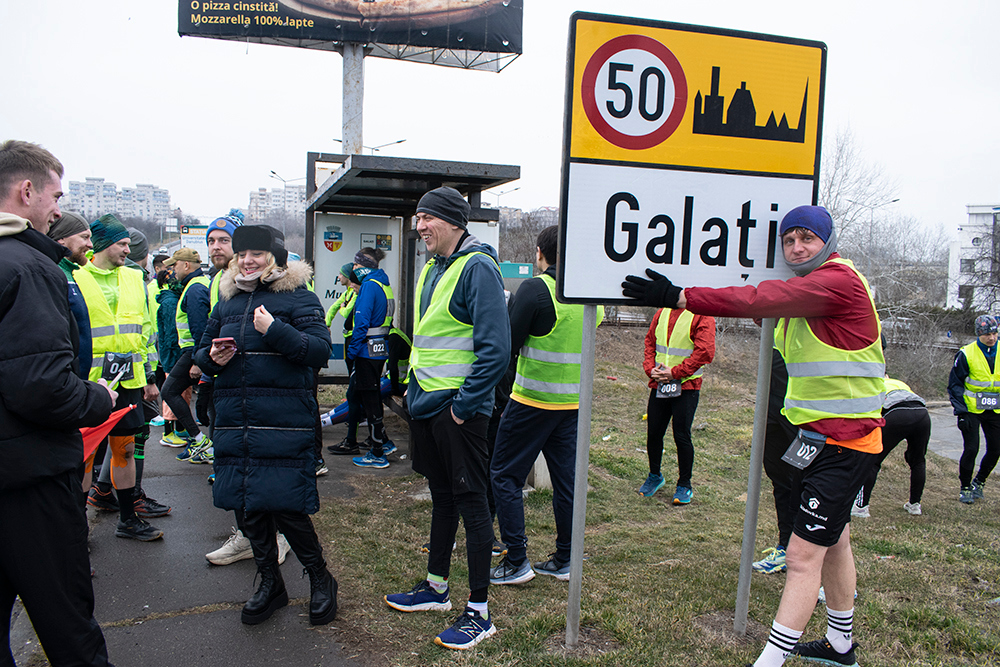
93	435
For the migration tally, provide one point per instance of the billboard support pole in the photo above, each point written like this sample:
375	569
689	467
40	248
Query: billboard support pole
580	481
753	483
354	98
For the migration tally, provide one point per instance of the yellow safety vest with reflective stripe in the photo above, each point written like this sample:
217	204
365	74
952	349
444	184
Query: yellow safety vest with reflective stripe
825	382
184	338
980	378
673	351
548	367
390	308
152	354
443	352
213	291
119	332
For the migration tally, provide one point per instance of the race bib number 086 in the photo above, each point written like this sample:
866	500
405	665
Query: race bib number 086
987	401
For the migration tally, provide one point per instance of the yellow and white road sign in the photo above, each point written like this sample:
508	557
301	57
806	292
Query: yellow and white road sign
684	146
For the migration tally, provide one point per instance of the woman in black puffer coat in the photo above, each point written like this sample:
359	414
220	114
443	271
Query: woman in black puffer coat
266	413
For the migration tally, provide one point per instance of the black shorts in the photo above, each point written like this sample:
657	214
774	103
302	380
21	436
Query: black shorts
134	420
829	486
367	373
450	454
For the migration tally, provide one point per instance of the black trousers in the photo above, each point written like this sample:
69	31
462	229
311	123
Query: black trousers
177	381
454	459
44	560
990	423
260	528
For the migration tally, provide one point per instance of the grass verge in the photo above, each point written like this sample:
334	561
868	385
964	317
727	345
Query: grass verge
660	581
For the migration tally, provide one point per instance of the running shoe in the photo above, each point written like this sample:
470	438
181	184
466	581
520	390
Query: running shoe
369	460
321	468
173	440
508	573
683	495
421	597
553	567
499	548
389	447
652	484
468	630
237	547
966	495
861	511
345	446
204	455
157	421
106	502
773	561
977	489
822	652
147	508
211	479
913	508
188	452
137	529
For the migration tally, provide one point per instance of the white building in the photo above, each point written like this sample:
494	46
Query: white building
94	197
291	200
970	262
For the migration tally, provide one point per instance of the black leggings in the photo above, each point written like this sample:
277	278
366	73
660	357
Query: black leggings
913	424
177	382
658	415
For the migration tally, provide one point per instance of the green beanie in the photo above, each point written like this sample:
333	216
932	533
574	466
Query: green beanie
107	231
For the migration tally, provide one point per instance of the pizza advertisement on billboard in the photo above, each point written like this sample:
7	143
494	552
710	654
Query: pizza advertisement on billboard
402	29
684	147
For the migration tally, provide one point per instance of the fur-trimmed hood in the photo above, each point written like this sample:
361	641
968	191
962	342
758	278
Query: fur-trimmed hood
298	275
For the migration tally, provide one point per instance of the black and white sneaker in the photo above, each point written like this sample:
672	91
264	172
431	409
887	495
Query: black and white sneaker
822	652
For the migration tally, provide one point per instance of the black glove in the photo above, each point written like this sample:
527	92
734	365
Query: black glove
964	422
658	292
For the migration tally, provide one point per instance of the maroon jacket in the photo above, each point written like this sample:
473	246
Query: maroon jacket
834	303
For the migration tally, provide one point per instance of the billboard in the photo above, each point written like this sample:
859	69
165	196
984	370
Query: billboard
475	34
684	146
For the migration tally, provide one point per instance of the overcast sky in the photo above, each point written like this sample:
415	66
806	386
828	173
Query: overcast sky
113	91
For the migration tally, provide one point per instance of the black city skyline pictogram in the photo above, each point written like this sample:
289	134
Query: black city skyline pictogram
741	117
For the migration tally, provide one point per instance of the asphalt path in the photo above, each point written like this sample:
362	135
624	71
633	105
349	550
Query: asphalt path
161	604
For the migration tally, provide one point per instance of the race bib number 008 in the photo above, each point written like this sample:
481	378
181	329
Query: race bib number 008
668	389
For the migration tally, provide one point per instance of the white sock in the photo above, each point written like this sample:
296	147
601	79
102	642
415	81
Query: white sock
840	629
200	439
779	643
481	607
438	586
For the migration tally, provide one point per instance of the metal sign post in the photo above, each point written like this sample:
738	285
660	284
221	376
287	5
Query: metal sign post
582	468
354	98
753	483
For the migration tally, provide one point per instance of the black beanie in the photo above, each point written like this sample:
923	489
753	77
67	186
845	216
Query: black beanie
448	204
261	237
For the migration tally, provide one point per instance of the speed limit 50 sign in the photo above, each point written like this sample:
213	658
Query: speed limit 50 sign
684	146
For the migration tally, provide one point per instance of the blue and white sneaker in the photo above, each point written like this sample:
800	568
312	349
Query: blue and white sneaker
204	455
157	421
773	561
369	460
388	448
683	495
421	597
508	573
652	484
189	451
468	630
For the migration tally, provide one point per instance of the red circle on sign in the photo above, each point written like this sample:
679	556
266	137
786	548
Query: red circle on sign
661	52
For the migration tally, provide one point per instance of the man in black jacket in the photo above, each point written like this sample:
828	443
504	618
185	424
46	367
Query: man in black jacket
43	403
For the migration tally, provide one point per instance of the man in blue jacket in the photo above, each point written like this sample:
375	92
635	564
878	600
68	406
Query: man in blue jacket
461	348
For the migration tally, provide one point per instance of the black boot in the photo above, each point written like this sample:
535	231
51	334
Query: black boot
323	594
270	596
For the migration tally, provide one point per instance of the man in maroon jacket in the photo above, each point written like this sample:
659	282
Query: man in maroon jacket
827	311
